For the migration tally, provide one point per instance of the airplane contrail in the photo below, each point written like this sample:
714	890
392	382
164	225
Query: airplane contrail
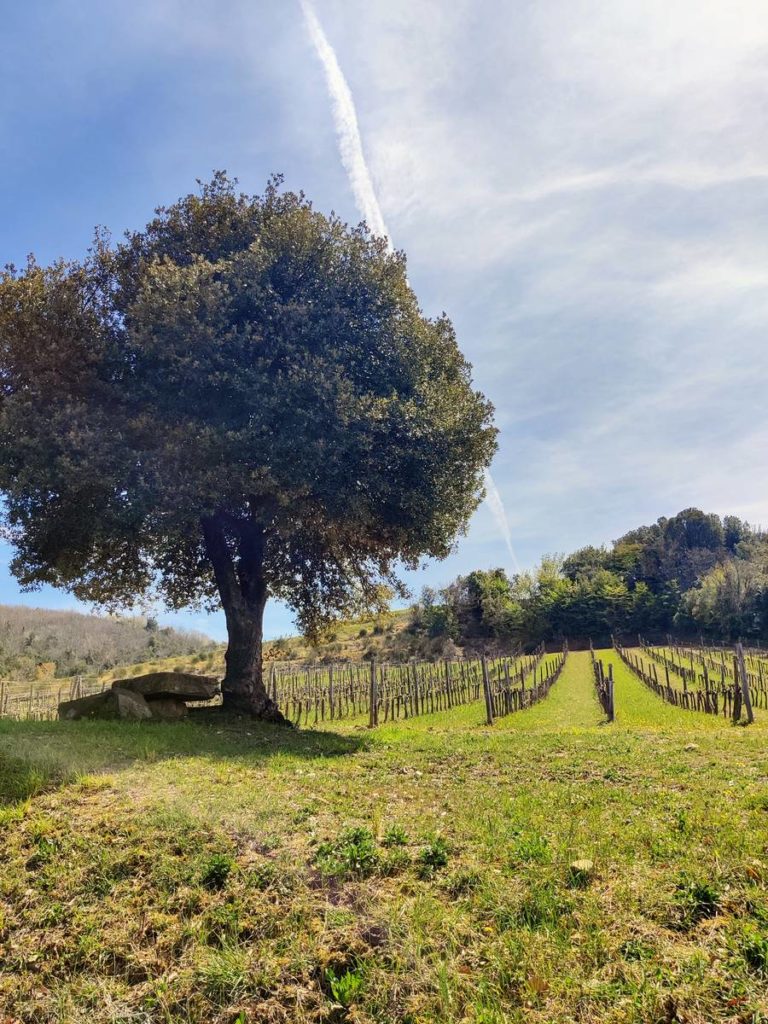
354	162
499	513
347	129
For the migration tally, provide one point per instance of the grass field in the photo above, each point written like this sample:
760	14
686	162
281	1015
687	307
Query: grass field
219	871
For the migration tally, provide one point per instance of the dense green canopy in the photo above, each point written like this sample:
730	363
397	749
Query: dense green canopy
692	573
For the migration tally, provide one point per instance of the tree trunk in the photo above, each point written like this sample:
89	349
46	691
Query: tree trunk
243	594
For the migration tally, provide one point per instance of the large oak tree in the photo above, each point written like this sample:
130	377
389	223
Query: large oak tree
243	400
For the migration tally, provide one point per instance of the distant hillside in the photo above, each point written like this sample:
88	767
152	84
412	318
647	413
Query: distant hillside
36	643
385	637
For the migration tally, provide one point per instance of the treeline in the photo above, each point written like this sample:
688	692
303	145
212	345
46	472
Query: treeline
35	643
693	574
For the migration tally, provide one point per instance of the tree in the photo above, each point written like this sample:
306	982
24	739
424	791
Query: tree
243	400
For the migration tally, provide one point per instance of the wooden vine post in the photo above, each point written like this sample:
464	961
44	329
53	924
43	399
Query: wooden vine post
273	682
487	691
373	717
611	706
744	683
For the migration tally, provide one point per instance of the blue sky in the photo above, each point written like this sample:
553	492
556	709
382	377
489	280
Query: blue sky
582	186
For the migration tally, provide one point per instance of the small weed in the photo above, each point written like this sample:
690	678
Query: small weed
345	988
682	823
216	871
542	905
266	876
46	850
395	835
636	950
531	847
223	973
93	783
462	883
432	858
20	780
352	854
695	900
755	952
394	862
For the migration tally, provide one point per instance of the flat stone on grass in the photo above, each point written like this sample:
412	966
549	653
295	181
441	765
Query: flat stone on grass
157	685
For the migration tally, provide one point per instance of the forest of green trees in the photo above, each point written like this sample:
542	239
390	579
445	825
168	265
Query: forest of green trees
35	642
693	575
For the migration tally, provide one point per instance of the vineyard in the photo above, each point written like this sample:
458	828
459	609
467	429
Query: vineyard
39	701
712	680
370	692
386	693
731	683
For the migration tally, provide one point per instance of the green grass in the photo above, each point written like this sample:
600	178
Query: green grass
220	871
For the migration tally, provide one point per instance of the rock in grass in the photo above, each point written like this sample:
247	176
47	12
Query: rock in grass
167	709
161	685
97	705
115	703
581	872
131	706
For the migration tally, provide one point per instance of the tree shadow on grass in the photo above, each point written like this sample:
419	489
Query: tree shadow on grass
38	757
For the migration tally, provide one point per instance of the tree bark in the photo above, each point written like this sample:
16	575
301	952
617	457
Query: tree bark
243	592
